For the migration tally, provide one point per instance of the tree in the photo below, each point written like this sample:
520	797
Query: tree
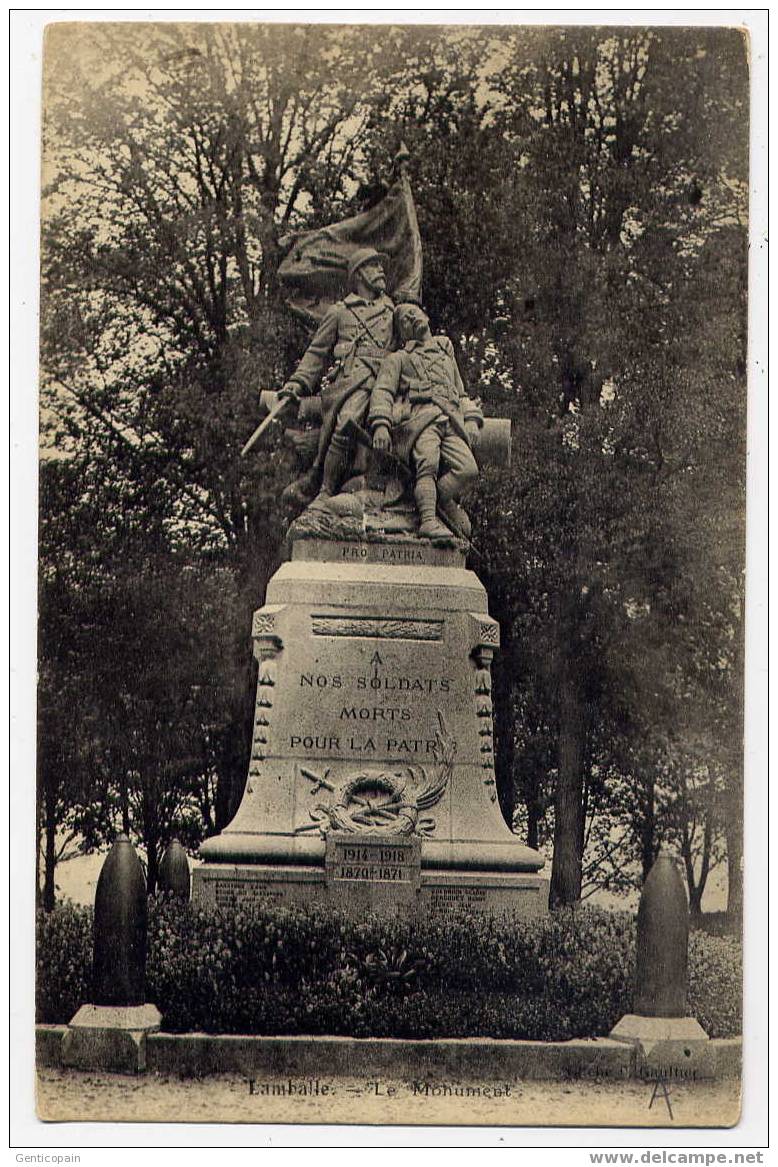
178	155
616	247
165	668
583	221
137	673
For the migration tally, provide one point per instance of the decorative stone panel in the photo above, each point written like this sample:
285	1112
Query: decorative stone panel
379	627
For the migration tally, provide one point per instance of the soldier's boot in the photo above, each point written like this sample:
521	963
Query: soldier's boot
453	513
335	468
426	495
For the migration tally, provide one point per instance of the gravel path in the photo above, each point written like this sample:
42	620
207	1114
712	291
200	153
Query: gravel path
73	1095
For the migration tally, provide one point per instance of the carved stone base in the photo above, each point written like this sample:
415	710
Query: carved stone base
293	851
386	889
373	714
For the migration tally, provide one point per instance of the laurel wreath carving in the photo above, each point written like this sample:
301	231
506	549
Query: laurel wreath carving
385	801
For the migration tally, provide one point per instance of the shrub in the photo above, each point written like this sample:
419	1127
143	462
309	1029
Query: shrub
716	984
718	924
63	965
306	970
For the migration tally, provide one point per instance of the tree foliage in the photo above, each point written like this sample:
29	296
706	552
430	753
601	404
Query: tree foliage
581	200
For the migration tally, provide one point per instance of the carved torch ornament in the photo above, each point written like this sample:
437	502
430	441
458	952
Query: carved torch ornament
384	801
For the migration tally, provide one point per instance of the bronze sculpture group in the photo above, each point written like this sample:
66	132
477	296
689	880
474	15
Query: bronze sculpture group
388	383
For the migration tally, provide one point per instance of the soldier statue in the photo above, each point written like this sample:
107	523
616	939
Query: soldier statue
356	333
420	406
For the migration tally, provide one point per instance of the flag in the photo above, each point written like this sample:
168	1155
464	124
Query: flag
313	272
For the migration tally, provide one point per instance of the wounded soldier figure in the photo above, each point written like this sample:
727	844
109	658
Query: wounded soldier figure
418	402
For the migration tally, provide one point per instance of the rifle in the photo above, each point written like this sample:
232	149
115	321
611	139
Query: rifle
355	430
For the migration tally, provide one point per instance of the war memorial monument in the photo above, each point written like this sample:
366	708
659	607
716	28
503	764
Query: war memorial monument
371	782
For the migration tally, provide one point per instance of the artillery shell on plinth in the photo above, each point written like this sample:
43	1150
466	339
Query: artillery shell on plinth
121	920
110	1032
668	1043
661	954
174	871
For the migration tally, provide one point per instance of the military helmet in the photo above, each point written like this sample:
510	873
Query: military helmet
362	256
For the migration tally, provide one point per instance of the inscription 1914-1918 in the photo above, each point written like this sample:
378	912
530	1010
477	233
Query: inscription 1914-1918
382	864
376	860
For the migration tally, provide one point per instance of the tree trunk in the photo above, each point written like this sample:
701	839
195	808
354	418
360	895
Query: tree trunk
125	796
38	841
648	826
733	805
534	819
504	741
50	862
695	900
222	811
566	865
232	750
152	866
695	887
707	843
734	833
149	817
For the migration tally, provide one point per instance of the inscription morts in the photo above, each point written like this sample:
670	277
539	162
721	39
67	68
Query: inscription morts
387	859
354	699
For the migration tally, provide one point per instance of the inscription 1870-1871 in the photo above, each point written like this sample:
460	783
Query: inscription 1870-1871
376	860
386	864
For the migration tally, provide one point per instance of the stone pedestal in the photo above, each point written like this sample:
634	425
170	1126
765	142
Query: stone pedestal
109	1037
230	886
373	720
667	1048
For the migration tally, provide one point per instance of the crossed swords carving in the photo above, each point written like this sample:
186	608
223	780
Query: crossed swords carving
370	815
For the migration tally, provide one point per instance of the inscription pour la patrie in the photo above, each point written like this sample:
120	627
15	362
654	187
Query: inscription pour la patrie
383	725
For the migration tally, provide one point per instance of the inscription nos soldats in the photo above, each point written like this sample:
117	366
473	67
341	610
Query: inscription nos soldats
399	740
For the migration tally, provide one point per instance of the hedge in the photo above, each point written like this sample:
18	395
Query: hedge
310	971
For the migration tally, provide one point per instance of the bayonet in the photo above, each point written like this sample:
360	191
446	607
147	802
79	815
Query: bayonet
275	413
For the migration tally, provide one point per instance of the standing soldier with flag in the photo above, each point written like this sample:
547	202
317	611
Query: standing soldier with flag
356	333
